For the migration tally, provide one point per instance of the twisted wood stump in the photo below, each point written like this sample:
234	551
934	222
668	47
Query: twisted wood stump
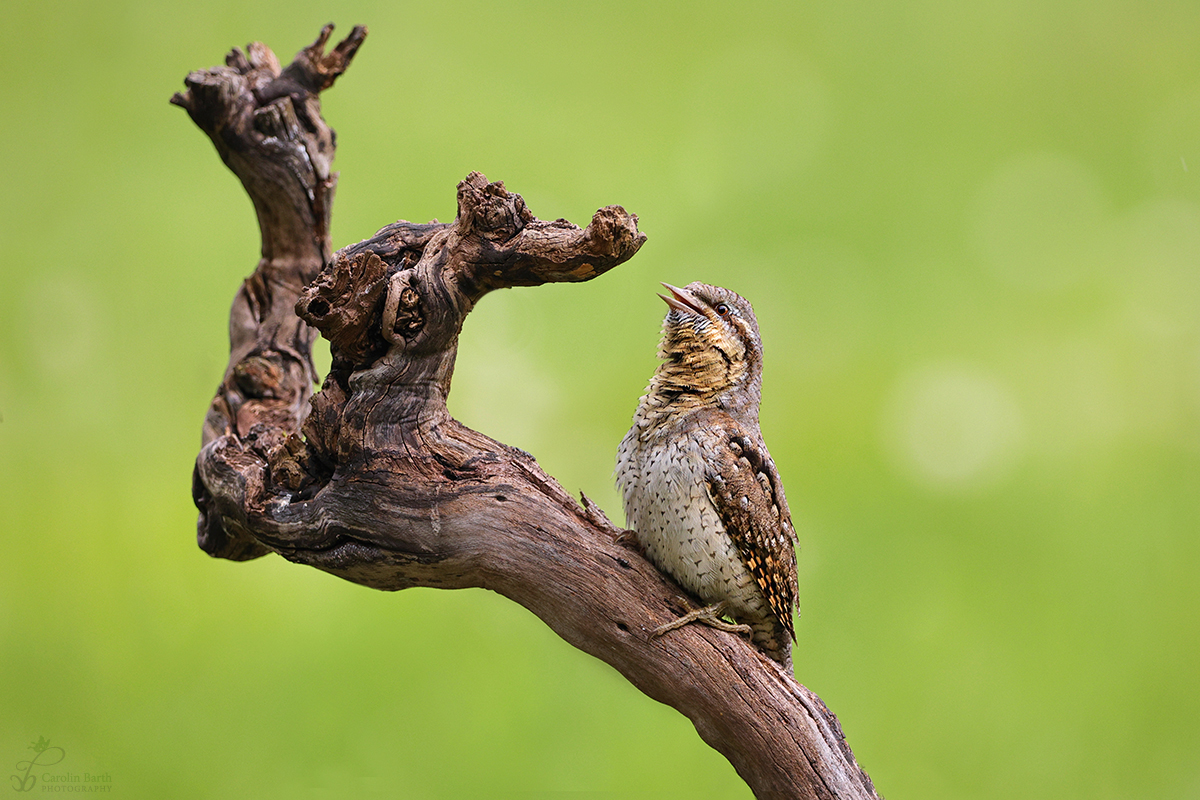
372	480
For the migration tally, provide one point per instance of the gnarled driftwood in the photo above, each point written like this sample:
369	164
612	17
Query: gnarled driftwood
372	480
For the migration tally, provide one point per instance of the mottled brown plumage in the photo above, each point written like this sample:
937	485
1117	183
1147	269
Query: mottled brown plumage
699	487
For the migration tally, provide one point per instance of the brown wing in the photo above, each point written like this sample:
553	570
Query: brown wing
748	495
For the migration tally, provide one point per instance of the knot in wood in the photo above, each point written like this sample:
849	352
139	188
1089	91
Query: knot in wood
402	315
259	377
343	304
489	209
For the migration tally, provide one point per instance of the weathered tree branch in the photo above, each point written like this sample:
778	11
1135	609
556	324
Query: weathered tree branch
372	480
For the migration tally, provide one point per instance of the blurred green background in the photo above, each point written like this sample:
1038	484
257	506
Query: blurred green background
972	237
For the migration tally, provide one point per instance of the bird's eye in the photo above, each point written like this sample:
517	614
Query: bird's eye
721	309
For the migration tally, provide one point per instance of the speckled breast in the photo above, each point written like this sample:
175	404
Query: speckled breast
667	504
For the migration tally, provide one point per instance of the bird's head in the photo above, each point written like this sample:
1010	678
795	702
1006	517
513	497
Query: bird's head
710	347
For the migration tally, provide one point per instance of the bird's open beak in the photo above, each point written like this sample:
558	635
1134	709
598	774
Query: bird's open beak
680	300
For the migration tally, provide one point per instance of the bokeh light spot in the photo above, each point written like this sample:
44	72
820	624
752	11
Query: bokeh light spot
950	427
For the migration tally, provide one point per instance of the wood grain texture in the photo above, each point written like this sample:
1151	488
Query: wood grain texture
372	480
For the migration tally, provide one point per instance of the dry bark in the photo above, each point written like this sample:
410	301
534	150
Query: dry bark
372	480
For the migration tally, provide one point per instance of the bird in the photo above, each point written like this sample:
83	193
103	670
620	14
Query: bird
701	493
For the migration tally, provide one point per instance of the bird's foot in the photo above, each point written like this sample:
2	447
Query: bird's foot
710	616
